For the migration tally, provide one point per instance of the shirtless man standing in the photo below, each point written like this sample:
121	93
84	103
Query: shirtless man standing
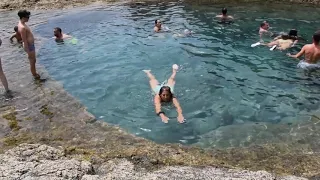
28	41
311	52
264	27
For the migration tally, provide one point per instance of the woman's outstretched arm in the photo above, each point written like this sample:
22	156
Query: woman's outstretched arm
179	110
157	105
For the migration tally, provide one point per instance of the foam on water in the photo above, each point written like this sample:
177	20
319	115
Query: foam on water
221	81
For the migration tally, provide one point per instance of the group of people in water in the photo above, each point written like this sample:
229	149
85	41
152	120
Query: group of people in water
164	92
283	41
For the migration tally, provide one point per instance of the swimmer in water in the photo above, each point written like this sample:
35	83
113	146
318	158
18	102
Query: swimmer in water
59	36
164	93
224	17
16	35
286	41
264	29
157	25
4	80
311	52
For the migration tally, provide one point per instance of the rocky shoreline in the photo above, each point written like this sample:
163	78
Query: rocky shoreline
59	4
43	115
35	161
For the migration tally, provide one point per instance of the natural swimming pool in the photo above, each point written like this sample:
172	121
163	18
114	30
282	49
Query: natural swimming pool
222	81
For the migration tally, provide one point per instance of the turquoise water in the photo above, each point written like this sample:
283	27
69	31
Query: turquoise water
222	80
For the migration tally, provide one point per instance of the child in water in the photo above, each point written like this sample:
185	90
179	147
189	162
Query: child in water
164	93
16	35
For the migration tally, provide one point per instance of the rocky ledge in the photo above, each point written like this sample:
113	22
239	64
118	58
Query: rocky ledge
37	162
58	4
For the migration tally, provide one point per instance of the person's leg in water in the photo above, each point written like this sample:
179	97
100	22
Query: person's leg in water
32	60
171	81
152	80
3	78
4	82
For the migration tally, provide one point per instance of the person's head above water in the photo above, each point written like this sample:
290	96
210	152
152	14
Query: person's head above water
24	15
15	29
293	34
157	23
316	37
224	11
57	32
264	25
165	94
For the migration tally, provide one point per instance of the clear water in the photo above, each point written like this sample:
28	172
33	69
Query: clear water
222	80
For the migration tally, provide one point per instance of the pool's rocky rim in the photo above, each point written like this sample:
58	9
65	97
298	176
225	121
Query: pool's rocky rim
59	120
53	4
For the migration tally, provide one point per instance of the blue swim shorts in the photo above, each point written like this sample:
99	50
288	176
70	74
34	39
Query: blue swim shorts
32	47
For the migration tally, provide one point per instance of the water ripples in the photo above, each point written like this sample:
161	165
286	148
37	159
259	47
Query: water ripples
221	81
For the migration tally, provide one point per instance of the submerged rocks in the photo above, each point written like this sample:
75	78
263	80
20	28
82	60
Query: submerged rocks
304	132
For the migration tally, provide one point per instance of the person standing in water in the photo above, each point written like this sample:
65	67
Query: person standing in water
16	35
224	17
157	25
311	52
28	41
264	29
4	79
59	36
164	93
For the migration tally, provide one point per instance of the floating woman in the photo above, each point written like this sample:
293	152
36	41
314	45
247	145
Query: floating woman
164	93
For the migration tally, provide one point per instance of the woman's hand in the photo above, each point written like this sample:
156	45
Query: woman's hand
179	110
164	118
180	118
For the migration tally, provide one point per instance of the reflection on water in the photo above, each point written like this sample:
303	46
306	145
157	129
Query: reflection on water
222	81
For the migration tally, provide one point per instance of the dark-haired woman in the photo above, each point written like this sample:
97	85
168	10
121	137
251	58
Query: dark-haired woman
286	41
165	93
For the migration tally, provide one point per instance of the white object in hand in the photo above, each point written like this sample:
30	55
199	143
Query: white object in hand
273	47
255	44
175	66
